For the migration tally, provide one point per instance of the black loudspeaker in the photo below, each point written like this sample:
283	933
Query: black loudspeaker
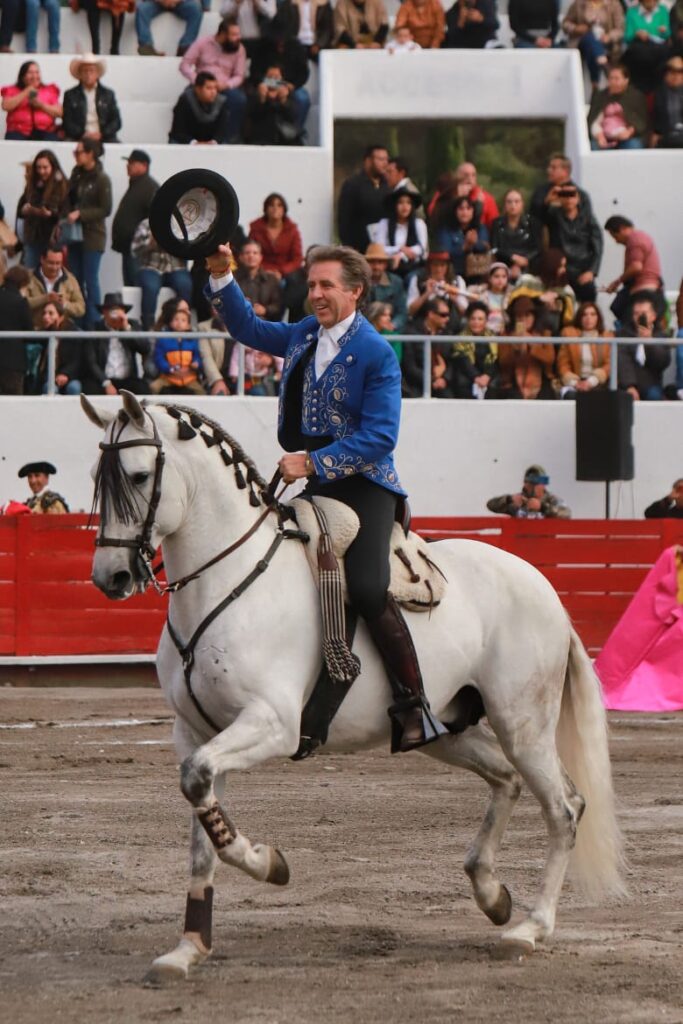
604	422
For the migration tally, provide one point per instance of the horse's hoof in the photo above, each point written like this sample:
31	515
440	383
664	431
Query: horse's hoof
512	949
501	911
163	975
278	873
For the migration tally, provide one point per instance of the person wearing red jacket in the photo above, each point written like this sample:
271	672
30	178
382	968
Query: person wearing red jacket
282	249
31	106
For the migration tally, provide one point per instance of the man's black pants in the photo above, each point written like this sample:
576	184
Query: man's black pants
367	560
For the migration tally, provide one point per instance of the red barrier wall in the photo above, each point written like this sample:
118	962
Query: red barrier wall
49	606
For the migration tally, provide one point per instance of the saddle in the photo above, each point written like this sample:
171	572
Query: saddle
417	583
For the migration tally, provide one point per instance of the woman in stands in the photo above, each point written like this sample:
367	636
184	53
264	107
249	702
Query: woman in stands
282	249
515	235
68	372
462	234
584	364
555	297
41	205
526	370
31	106
473	365
401	232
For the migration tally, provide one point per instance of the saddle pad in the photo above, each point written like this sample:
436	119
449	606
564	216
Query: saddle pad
416	582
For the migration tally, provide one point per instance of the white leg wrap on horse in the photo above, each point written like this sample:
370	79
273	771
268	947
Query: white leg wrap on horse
176	964
264	863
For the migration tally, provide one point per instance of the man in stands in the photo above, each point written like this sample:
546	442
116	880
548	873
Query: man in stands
641	367
201	116
340	402
259	287
253	18
667	120
43	501
433	320
132	210
52	282
534	501
385	286
277	48
670	507
361	199
546	196
471	24
617	118
110	359
466	174
535	23
271	114
189	11
225	57
575	231
642	267
397	176
90	108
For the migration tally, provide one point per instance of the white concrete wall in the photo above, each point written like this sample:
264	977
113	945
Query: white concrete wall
452	455
457	84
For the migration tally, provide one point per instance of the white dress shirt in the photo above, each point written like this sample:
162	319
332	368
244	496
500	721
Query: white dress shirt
328	344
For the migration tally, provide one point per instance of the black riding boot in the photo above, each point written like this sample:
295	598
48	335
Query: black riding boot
412	722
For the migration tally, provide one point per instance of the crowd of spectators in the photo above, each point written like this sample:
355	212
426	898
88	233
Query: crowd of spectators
247	82
447	264
458	261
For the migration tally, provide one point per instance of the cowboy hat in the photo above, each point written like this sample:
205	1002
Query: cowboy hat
37	467
376	251
193	213
114	300
392	198
87	58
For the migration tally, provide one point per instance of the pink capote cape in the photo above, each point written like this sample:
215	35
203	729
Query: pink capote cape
641	665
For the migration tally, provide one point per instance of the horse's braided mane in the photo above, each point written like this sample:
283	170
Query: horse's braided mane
237	451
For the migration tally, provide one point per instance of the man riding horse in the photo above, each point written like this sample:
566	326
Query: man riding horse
339	412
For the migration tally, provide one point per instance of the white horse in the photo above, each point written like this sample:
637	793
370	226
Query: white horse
500	628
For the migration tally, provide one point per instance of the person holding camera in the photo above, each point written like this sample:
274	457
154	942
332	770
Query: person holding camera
31	106
670	507
271	114
641	367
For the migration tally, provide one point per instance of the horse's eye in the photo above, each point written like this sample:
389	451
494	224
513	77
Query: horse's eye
140	478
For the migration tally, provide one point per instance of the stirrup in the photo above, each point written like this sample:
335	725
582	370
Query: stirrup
431	728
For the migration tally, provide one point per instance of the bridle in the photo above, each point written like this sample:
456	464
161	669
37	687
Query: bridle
142	542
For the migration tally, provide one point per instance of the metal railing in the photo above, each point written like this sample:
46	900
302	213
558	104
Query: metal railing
426	340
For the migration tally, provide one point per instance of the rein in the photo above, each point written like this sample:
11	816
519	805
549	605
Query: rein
142	543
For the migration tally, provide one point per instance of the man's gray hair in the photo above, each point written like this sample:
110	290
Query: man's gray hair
355	267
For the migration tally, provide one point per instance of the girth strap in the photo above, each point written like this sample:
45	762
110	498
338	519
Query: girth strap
186	651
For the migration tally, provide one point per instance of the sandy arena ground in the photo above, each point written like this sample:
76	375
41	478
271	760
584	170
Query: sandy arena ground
377	924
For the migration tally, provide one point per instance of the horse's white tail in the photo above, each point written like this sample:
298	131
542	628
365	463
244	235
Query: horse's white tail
597	860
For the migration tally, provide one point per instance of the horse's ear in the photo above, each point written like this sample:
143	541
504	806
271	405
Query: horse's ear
133	408
100	417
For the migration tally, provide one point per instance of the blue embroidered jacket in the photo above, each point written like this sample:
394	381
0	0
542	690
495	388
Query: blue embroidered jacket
356	401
